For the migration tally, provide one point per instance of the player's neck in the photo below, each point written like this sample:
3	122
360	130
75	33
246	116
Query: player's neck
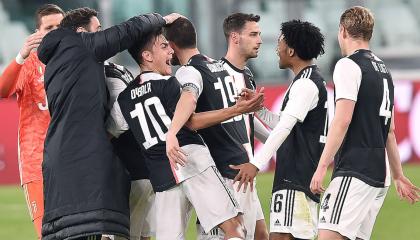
146	68
236	59
299	65
185	54
353	46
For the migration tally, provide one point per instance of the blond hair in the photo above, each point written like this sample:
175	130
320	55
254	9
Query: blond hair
359	22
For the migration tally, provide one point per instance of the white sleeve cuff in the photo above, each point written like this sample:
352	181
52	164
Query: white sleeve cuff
269	118
274	141
261	132
19	59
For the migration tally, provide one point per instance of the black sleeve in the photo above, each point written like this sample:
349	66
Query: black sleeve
171	93
118	38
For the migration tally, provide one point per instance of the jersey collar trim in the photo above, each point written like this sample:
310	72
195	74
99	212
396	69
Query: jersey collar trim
232	66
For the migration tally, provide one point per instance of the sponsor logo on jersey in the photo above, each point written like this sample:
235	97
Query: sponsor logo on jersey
277	223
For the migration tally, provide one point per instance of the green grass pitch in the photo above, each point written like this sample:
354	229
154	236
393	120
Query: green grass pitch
396	220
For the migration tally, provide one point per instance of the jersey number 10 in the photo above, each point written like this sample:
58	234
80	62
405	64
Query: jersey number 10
228	95
139	112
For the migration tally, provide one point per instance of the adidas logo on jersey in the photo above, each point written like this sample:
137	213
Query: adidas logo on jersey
322	219
277	223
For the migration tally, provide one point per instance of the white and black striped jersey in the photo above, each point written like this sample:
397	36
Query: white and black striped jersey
125	146
218	91
146	107
364	78
298	156
243	78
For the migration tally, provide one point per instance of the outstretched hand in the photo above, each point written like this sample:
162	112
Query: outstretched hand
174	153
246	175
249	101
406	190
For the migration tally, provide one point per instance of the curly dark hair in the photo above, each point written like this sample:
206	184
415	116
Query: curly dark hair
79	17
304	37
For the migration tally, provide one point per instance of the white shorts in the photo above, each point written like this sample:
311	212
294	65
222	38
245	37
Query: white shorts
349	206
293	212
249	204
206	192
142	212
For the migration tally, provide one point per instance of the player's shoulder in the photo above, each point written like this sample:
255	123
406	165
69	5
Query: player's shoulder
115	71
346	64
186	69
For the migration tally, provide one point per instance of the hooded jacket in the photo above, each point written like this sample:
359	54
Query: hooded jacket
86	187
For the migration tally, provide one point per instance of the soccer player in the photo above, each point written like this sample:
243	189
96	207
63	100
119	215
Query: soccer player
24	77
298	135
243	38
224	132
142	215
360	137
148	106
86	187
117	78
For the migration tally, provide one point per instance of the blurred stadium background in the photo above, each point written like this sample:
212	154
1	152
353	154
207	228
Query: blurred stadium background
396	40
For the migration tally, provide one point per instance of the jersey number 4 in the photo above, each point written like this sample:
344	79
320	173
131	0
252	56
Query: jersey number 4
139	112
385	109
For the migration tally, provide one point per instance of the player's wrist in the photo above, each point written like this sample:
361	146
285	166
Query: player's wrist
20	59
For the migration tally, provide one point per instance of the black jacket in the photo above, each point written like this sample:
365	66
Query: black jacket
86	188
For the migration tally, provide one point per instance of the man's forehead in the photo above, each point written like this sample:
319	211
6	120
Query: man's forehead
161	39
251	26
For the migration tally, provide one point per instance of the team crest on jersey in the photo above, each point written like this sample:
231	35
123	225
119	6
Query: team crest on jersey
324	205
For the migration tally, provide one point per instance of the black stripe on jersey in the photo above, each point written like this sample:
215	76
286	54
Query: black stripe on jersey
344	198
222	181
339	201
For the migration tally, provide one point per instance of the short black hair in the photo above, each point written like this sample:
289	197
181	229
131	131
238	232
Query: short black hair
145	43
236	22
304	37
182	33
79	17
45	10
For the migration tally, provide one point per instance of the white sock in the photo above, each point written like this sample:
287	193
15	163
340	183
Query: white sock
235	238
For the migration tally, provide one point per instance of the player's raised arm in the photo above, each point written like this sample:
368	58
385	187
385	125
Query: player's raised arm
9	78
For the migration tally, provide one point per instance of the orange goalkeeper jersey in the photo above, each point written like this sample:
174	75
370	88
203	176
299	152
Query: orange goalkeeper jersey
33	118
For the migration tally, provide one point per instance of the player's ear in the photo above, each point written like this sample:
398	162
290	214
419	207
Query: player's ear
147	56
235	37
291	52
343	32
